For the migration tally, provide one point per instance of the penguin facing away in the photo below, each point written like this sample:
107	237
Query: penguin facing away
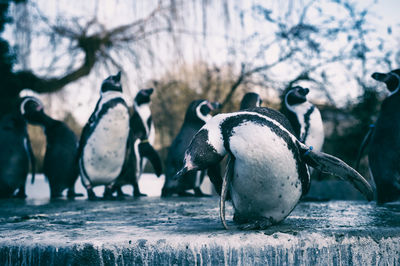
103	143
197	114
59	165
304	117
15	154
267	171
383	155
141	149
250	100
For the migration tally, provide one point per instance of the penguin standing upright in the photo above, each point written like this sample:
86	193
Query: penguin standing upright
267	170
104	140
197	114
142	138
250	100
384	148
15	153
144	132
304	117
59	165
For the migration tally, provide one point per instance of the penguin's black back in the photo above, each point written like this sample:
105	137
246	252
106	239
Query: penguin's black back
384	155
59	164
230	123
191	124
178	147
14	161
277	116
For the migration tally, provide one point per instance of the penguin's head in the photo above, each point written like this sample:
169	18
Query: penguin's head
199	111
250	100
112	83
32	109
200	154
392	79
296	95
143	96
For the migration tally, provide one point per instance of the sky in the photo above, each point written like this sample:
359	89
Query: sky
386	10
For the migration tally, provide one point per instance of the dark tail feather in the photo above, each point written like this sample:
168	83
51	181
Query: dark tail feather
329	164
364	144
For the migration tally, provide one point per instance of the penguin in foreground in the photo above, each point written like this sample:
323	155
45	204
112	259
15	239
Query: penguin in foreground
250	100
142	135
104	140
383	155
304	117
15	154
197	114
267	171
59	165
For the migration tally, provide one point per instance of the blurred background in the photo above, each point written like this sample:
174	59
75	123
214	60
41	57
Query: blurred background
62	50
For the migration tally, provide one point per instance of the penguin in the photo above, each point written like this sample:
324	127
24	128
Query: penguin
144	132
383	155
267	171
59	164
249	100
15	154
142	135
104	140
197	114
304	117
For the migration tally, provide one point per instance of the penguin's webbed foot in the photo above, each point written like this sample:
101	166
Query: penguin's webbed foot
185	194
139	194
199	193
108	194
136	191
256	223
91	195
72	194
259	224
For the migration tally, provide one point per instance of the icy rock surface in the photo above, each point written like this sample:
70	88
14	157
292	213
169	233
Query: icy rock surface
153	231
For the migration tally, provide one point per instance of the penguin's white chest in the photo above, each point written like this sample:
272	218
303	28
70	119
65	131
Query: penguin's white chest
144	113
266	181
104	152
315	135
311	126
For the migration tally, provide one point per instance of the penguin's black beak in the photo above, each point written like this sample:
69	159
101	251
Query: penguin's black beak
215	105
149	91
380	76
304	91
117	78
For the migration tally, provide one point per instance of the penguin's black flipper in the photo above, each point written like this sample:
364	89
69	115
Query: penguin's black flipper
364	144
214	173
329	164
146	150
87	130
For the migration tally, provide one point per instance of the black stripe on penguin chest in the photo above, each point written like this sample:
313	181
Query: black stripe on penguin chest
104	109
307	124
230	123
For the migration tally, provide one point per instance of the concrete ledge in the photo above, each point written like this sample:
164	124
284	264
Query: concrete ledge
153	231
